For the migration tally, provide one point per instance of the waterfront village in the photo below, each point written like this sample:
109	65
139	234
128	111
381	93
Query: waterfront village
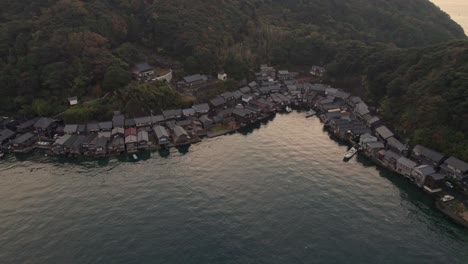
345	116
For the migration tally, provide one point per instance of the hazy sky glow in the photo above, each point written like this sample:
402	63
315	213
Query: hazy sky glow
457	9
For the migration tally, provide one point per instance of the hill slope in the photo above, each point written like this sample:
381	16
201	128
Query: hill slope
52	49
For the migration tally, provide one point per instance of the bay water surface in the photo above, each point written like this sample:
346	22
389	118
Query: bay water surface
276	193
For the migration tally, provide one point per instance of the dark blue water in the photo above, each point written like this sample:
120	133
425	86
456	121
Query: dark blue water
276	194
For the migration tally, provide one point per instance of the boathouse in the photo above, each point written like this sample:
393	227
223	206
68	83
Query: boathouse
131	140
24	143
58	148
434	183
390	159
162	135
420	173
143	139
405	166
45	126
181	136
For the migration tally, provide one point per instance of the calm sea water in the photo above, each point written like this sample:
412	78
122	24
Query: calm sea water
457	9
279	193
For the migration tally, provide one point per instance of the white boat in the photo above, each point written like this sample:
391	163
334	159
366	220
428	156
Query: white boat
350	153
135	157
288	109
447	198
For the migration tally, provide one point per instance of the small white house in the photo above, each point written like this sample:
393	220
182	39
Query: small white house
73	100
222	76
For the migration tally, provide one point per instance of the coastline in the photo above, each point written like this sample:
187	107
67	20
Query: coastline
331	104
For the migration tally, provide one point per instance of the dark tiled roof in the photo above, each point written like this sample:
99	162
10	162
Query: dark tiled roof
199	108
43	123
217	101
457	164
384	132
143	67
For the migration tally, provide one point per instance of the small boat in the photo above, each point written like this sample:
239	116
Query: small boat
135	157
2	155
447	198
288	109
310	113
350	153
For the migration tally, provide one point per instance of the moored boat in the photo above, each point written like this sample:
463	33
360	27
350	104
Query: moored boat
350	153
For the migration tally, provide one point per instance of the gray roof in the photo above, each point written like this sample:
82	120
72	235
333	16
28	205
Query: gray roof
241	112
6	134
391	155
384	132
118	120
227	95
237	94
43	122
61	140
217	101
143	67
194	78
457	164
158	118
428	153
160	131
362	109
283	72
188	112
179	131
93	127
200	108
81	129
172	113
355	99
395	143
70	129
437	176
205	119
25	137
407	162
252	84
105	125
375	145
142	135
129	122
425	169
144	120
118	130
245	90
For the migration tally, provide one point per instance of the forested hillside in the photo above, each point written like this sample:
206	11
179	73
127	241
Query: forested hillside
405	50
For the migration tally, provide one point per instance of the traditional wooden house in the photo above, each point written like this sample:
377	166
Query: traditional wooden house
24	143
145	121
188	112
70	129
383	133
180	136
427	156
142	71
201	109
89	145
172	114
101	147
206	122
118	120
162	135
131	142
194	80
318	71
143	139
454	168
420	173
92	127
243	116
434	183
118	132
217	103
390	159
283	75
105	126
366	138
405	166
373	148
395	145
118	145
68	145
245	90
129	122
6	135
26	126
252	84
45	127
76	148
58	148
